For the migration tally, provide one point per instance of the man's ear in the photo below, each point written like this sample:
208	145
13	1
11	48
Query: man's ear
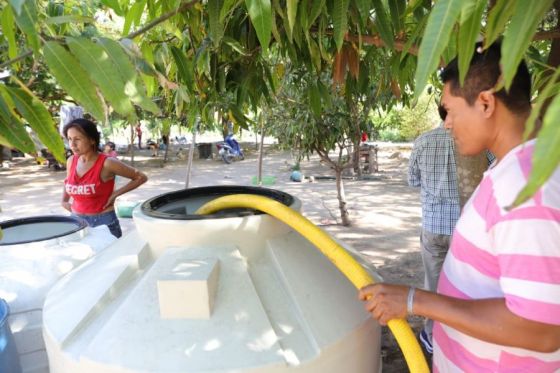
487	100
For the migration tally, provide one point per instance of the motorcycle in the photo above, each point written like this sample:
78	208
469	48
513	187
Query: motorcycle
230	150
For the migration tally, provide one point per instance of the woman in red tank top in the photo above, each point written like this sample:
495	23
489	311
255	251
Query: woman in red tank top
90	177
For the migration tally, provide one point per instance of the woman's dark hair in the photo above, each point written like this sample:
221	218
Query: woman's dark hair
86	127
484	73
111	145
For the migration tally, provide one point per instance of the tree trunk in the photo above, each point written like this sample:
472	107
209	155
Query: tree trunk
261	152
190	160
470	170
131	147
344	216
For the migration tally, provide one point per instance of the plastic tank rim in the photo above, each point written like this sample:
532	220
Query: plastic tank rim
150	206
80	224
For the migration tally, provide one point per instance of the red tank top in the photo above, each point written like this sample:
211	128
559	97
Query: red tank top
89	192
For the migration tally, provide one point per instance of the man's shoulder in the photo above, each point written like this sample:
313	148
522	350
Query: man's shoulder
438	132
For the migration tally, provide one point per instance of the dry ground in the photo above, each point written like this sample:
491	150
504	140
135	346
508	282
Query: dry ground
385	212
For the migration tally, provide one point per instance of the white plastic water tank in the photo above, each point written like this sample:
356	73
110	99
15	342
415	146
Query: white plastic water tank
236	291
35	253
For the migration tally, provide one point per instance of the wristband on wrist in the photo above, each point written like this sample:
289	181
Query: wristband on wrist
410	300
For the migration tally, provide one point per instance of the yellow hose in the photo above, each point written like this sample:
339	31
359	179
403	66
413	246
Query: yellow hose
332	250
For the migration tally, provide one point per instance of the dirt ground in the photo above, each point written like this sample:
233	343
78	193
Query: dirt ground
384	211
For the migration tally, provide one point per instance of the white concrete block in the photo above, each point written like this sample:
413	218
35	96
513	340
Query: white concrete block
188	290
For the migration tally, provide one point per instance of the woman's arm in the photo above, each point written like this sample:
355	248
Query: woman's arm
114	167
486	319
65	203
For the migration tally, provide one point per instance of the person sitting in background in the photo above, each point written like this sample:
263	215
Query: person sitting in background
90	178
109	150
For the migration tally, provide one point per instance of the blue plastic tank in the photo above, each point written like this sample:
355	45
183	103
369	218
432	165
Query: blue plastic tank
9	361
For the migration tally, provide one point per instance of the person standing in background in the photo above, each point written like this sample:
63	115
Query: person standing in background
432	168
139	135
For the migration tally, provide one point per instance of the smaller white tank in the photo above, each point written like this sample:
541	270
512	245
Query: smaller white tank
35	253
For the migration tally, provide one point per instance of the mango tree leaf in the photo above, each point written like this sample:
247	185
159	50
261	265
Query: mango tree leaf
292	6
227	7
68	19
39	118
364	8
316	9
133	87
435	40
398	9
498	17
26	21
73	78
260	13
519	35
382	24
13	130
340	21
236	46
114	4
314	99
214	23
133	16
546	156
17	5
469	29
9	31
184	67
102	71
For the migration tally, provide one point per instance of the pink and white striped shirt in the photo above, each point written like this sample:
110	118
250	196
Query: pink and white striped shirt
511	254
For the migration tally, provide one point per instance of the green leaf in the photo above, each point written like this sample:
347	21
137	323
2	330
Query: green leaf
261	18
114	4
215	24
519	35
292	13
314	99
13	130
102	71
398	9
382	23
73	78
316	9
17	5
364	7
133	86
184	67
547	92
498	17
546	156
9	31
435	40
133	16
68	19
236	46
469	29
39	118
26	21
227	7
340	21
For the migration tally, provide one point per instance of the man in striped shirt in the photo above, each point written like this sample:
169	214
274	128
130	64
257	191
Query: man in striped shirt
498	303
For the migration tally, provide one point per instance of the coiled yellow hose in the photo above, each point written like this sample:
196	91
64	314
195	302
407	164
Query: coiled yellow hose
332	250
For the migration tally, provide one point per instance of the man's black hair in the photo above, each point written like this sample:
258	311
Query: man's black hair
484	72
85	126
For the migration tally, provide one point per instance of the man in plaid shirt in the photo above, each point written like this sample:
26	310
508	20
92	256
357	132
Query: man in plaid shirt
432	168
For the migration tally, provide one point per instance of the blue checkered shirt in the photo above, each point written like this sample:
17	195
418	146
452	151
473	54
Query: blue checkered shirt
432	168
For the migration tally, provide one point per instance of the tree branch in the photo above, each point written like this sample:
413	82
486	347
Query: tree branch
161	19
132	35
